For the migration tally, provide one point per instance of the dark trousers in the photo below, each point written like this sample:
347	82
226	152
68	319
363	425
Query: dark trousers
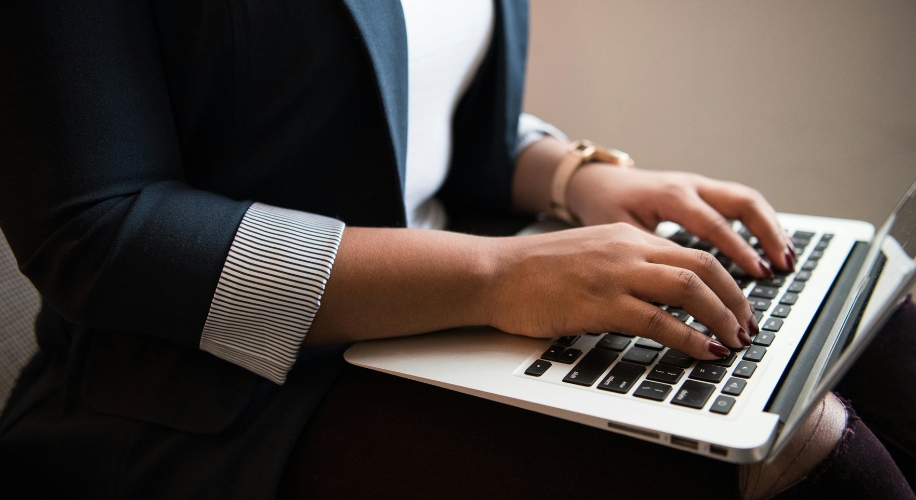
379	436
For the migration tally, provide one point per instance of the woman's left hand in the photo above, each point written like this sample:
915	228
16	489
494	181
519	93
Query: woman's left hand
601	193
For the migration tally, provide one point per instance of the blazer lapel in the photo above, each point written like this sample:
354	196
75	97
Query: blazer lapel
381	24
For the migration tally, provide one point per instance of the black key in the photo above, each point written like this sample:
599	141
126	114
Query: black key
803	276
649	344
764	338
789	298
623	334
569	356
803	234
822	244
693	394
758	315
816	255
755	353
567	341
745	233
707	372
809	265
700	327
621	377
764	292
683	238
759	304
801	242
734	386
676	358
613	342
593	364
796	286
827	237
678	313
666	374
640	356
776	281
722	404
702	245
745	369
726	361
772	324
537	368
725	261
553	353
743	282
781	311
800	249
653	390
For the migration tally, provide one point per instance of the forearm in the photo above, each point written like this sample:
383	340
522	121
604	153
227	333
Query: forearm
534	171
396	282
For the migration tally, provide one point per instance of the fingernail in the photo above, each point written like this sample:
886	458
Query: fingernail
752	325
717	349
744	337
765	268
790	262
791	248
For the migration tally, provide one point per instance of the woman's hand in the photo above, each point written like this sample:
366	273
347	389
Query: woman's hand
600	193
604	278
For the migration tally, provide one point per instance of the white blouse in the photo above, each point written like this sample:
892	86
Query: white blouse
446	42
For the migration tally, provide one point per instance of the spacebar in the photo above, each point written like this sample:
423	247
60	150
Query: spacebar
591	367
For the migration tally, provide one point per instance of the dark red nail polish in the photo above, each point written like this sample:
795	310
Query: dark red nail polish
717	349
791	248
765	268
743	337
752	325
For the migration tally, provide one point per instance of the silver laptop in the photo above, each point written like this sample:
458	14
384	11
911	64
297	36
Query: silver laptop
815	323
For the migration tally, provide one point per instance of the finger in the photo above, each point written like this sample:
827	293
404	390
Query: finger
704	221
683	288
640	318
716	278
740	202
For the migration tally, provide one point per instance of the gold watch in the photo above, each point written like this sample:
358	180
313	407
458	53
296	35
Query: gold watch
580	152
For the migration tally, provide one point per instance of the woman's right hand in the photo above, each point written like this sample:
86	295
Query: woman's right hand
605	278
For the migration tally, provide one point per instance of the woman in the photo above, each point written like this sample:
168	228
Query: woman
176	182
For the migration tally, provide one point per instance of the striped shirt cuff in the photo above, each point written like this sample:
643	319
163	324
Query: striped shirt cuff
531	129
270	289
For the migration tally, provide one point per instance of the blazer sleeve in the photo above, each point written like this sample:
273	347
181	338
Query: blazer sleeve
93	199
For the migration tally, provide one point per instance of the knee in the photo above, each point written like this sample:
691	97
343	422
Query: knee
813	443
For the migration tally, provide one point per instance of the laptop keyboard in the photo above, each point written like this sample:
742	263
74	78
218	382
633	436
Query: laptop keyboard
624	364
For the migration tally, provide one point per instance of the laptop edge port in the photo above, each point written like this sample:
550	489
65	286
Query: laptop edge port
686	443
718	450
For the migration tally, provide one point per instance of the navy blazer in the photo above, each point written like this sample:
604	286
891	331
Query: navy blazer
133	137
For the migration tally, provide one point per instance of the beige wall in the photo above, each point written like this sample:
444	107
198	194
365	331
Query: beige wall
812	102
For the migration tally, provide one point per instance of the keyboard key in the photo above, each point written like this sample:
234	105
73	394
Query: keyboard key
537	368
759	304
569	356
726	361
745	369
827	237
693	394
809	265
702	245
653	390
789	298
822	245
567	341
621	377
725	261
781	311
743	282
613	342
640	356
649	344
755	353
776	281
734	386
764	292
707	372
684	238
623	334
764	338
803	234
803	276
700	327
593	364
553	353
666	374
796	286
816	255
679	314
676	358
722	405
758	315
772	324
